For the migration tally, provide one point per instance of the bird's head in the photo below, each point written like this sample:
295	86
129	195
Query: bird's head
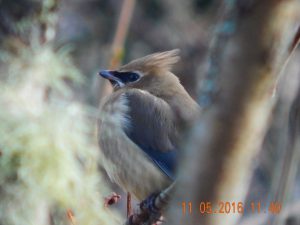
151	73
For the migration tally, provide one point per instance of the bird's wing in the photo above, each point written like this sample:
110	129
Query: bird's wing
153	128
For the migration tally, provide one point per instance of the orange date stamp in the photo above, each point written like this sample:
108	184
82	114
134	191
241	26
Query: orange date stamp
226	207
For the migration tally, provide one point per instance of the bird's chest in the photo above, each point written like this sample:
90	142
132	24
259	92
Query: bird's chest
124	162
112	121
114	112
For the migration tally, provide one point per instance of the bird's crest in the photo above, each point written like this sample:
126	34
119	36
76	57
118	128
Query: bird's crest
161	61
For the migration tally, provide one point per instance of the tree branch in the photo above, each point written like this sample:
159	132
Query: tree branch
118	42
238	103
144	215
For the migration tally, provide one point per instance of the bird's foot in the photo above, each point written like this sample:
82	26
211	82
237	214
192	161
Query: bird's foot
112	199
149	212
149	205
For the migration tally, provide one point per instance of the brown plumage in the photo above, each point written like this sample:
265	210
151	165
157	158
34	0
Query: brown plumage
142	122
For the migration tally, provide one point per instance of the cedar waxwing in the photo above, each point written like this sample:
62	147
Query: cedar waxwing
141	123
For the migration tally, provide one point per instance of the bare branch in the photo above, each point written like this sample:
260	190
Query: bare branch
144	214
119	40
238	103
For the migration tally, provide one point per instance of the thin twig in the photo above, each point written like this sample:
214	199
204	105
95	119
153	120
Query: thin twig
117	48
121	33
129	210
70	217
288	165
296	41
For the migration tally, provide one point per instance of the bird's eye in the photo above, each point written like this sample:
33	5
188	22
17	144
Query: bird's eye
126	77
133	77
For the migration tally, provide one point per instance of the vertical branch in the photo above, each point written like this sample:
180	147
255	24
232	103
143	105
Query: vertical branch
121	33
296	41
218	162
118	42
289	161
129	210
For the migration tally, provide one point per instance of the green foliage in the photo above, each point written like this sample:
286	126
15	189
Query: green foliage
48	156
46	67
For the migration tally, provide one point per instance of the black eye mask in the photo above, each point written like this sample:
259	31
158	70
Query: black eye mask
126	77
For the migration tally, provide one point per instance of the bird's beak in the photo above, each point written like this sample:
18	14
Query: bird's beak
115	81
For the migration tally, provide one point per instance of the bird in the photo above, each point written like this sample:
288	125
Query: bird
142	123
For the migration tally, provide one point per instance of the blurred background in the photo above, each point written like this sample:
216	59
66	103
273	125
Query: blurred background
90	26
50	54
